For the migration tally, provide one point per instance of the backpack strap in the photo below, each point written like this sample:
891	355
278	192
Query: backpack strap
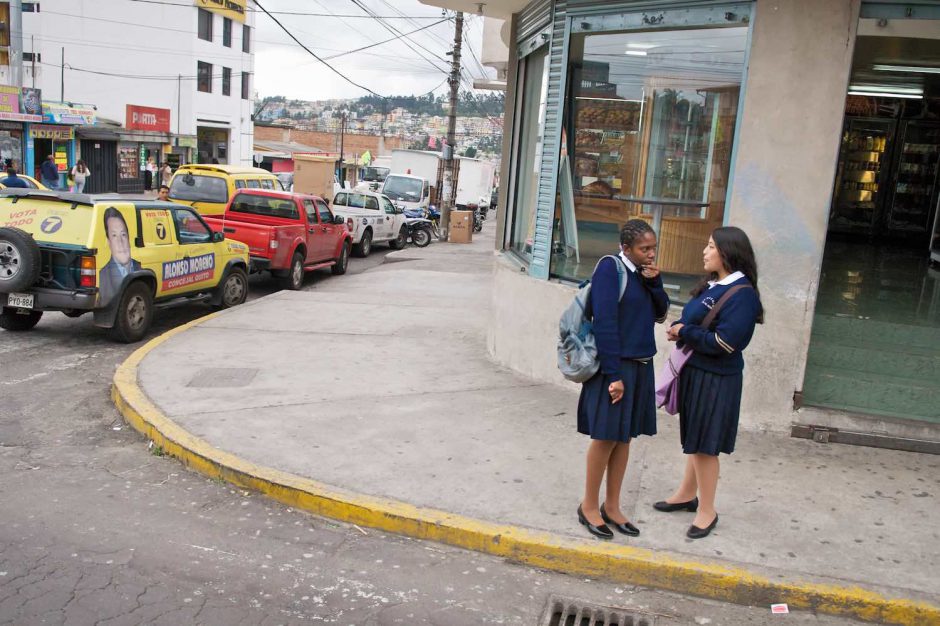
622	276
721	301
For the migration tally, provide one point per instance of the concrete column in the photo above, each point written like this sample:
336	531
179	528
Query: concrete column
798	72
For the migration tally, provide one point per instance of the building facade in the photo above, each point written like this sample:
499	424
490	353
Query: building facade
158	82
811	125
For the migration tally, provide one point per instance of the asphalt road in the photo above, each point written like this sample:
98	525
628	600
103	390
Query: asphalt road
97	529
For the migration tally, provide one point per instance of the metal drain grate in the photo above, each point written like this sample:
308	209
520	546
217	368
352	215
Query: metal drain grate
561	611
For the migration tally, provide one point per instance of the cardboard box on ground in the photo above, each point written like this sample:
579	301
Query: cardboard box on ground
461	227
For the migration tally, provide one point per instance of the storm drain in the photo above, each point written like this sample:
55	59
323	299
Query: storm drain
561	611
221	377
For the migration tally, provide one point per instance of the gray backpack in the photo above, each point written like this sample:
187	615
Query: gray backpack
577	347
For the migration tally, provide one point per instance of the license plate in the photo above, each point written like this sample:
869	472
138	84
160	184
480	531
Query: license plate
20	300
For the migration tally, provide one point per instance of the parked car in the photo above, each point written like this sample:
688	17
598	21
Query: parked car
371	218
32	182
208	188
286	234
118	258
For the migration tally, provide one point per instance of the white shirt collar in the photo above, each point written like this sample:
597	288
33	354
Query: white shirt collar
727	280
627	262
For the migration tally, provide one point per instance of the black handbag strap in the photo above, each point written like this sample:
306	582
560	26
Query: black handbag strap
721	301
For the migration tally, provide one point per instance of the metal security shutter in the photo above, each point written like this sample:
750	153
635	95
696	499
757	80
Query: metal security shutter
533	18
548	172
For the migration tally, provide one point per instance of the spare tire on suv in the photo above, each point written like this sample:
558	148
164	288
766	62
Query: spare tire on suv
20	260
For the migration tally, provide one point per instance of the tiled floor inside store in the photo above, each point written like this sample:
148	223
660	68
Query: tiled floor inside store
876	333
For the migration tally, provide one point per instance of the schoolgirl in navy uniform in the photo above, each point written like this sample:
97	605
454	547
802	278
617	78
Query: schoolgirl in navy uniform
710	382
618	403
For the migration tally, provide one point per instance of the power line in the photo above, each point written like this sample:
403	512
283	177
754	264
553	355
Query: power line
314	54
394	30
298	13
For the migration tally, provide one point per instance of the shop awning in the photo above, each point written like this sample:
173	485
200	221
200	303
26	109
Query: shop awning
94	132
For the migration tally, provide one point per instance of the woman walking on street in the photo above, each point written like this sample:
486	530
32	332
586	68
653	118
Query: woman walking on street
80	174
710	382
618	403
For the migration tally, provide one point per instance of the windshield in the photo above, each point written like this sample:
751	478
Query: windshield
374	173
199	188
399	188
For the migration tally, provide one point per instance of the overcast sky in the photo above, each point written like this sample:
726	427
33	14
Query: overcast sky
395	68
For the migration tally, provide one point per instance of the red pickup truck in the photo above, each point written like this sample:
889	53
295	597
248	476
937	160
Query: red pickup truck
287	234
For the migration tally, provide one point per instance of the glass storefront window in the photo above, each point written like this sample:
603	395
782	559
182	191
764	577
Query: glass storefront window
533	71
649	127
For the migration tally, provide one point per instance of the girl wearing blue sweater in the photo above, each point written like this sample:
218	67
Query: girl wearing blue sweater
618	403
710	381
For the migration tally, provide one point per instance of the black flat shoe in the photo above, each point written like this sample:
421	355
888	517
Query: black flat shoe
601	532
698	533
691	506
626	528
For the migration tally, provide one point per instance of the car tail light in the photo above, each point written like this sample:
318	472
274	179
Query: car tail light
350	224
88	273
274	244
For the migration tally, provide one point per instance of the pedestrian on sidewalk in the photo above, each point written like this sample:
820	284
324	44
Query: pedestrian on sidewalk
618	403
50	173
163	193
150	170
80	173
166	173
710	382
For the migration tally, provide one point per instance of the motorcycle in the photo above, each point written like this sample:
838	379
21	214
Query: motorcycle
431	214
419	231
477	217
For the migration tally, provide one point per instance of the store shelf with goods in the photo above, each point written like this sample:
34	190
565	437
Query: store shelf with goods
862	175
915	178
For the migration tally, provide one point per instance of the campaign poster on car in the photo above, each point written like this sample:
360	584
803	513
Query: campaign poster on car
183	272
118	227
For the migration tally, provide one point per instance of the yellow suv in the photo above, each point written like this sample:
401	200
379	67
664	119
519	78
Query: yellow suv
208	188
117	258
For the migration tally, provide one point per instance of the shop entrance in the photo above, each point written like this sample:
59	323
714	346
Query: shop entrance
875	346
45	147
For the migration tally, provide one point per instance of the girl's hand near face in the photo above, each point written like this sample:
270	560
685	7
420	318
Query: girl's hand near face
649	271
672	333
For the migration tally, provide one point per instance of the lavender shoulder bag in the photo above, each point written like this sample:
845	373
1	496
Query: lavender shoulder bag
667	391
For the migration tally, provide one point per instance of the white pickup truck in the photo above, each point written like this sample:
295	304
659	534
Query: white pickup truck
371	218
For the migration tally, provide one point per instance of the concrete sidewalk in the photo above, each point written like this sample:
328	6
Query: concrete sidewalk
378	385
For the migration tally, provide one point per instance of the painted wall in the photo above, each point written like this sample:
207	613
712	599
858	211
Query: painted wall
110	42
787	150
786	158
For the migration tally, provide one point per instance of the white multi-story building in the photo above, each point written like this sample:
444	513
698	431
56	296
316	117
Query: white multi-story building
127	83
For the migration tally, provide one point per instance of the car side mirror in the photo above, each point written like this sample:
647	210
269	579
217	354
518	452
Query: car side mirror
399	210
217	237
338	219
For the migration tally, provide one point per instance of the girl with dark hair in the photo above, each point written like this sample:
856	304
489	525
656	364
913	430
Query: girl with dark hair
618	403
710	381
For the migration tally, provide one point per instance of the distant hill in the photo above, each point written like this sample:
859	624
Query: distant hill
470	105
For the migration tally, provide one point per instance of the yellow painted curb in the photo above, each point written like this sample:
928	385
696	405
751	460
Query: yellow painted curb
626	564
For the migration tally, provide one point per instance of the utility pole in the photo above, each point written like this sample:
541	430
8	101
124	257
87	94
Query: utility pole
342	139
16	42
454	80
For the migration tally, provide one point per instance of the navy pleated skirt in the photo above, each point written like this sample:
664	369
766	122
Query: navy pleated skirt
634	415
709	406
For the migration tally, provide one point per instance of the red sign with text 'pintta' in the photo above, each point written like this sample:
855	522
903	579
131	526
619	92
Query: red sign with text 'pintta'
148	118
